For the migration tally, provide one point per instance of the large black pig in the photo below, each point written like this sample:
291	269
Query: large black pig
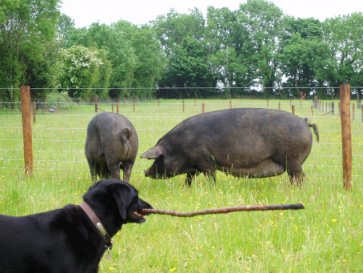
247	142
111	145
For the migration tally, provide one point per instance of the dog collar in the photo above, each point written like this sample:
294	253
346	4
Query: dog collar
97	223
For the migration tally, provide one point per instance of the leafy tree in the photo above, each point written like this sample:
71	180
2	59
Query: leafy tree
188	67
183	38
81	69
253	45
65	31
225	38
171	29
149	60
123	59
308	28
344	35
262	21
117	48
305	62
27	37
134	53
245	43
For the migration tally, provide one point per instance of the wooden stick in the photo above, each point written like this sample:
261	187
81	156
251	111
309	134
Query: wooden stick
224	210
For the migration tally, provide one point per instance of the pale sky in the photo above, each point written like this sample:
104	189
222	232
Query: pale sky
85	12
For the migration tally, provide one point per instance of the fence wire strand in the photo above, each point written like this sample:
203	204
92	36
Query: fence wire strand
60	135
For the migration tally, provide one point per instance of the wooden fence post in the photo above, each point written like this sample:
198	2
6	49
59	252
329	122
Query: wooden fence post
332	108
353	111
96	104
34	111
203	108
346	135
293	109
45	104
314	102
27	129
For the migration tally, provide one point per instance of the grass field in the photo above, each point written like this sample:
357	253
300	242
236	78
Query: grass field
325	237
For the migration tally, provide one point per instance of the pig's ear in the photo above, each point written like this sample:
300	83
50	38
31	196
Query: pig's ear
153	153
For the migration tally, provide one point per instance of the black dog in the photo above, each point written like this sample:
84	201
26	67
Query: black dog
71	239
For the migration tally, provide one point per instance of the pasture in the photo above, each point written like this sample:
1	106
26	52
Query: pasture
325	237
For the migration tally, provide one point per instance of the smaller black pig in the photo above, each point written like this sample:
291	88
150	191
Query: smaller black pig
111	144
242	142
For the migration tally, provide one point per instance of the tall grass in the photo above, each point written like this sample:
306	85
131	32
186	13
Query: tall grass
325	237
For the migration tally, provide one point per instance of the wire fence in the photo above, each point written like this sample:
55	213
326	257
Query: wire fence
47	96
59	131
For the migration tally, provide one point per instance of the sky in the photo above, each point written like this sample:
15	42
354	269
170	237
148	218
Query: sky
86	12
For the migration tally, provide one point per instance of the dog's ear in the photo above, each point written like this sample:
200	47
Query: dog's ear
92	189
123	197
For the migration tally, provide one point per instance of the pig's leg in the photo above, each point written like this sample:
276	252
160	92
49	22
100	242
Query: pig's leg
104	172
208	168
114	169
210	174
296	175
189	178
126	168
92	169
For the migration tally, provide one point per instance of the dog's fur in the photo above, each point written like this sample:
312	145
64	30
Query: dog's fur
65	240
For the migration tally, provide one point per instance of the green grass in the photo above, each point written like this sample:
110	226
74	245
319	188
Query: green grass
325	237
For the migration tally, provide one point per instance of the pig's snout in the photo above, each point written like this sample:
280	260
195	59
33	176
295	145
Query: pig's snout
151	173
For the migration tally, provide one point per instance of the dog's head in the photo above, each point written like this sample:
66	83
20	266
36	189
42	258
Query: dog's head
112	196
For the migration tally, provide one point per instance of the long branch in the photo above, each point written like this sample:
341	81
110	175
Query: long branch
224	210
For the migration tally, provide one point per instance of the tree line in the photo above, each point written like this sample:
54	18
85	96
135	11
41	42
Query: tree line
256	47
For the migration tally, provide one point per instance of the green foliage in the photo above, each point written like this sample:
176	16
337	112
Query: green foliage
255	47
308	28
150	63
27	39
65	31
299	63
224	41
344	35
173	28
134	54
183	38
262	22
81	69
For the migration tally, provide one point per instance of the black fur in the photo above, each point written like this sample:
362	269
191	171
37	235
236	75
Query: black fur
65	240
